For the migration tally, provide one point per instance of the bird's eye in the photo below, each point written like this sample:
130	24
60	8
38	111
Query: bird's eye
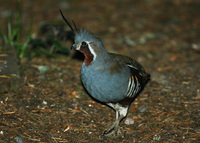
83	44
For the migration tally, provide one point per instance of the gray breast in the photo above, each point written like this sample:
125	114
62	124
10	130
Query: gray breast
105	85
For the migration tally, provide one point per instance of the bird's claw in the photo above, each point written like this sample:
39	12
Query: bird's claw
115	133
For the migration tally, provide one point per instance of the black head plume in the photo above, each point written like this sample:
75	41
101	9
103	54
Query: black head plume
68	23
75	26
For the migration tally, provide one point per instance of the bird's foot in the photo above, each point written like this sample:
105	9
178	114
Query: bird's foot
113	134
114	131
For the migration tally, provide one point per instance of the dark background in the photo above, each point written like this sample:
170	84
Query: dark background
52	106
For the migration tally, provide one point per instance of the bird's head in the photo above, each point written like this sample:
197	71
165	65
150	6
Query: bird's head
86	42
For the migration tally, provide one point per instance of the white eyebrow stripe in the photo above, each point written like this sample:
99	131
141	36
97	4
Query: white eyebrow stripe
91	50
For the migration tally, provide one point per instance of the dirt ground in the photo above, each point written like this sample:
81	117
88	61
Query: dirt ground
51	104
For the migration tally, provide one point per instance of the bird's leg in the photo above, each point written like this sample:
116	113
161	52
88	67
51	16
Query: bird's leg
114	125
117	127
117	115
120	114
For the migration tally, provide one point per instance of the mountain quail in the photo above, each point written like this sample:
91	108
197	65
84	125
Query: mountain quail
112	79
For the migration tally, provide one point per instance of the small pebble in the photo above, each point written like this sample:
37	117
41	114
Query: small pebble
41	76
42	68
198	93
143	109
129	41
1	132
19	140
129	121
44	102
156	138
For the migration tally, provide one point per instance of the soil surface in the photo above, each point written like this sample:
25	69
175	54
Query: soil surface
52	106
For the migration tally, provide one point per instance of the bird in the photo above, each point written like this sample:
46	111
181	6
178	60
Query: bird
111	79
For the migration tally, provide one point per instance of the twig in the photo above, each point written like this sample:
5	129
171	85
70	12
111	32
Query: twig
191	102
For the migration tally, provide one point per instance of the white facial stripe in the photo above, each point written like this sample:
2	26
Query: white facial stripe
91	50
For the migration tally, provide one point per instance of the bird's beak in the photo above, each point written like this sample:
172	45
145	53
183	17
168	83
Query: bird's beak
73	47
